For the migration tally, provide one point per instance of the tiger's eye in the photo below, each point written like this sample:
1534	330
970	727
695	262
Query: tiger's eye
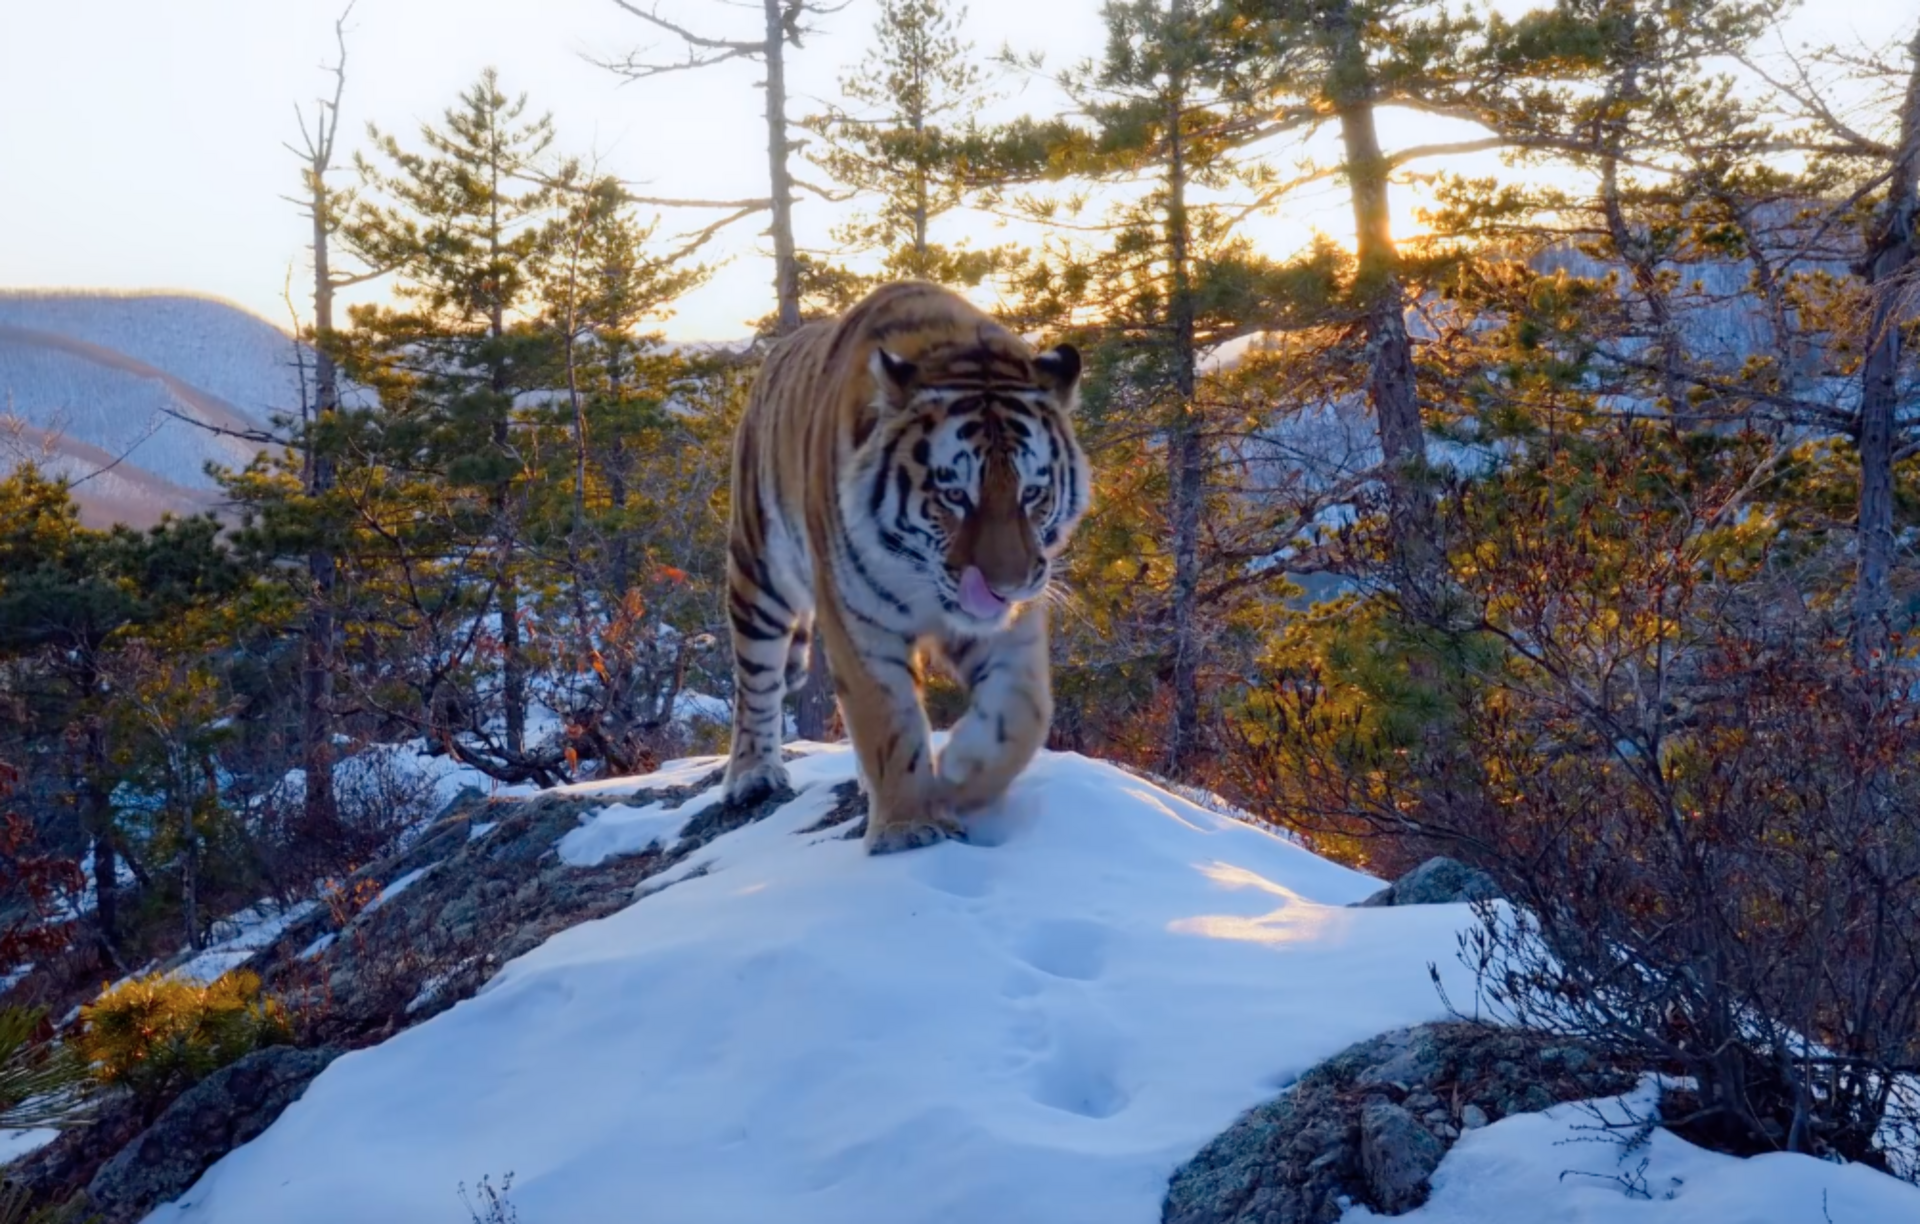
954	497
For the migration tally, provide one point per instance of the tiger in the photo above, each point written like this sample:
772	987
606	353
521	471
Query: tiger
904	479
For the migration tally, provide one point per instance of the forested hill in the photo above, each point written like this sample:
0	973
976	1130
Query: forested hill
132	395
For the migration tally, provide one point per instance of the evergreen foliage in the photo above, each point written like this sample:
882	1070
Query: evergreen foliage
1569	533
157	1035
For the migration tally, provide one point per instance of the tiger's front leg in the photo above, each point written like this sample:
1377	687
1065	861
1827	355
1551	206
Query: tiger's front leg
879	688
1009	708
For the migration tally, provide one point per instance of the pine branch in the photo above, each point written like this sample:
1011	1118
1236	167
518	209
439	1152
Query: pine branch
824	193
260	436
1804	92
41	1083
675	202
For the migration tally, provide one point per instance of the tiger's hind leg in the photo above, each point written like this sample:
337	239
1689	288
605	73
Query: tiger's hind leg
769	633
797	653
1009	708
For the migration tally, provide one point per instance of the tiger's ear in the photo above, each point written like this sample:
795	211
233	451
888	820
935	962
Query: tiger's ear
1060	366
892	378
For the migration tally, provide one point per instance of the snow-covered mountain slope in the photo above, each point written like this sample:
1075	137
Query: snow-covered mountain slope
1037	1026
162	383
228	353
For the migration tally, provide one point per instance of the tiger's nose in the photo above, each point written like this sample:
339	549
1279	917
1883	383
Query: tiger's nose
1021	592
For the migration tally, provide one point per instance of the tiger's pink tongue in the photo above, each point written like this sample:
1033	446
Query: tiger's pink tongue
977	598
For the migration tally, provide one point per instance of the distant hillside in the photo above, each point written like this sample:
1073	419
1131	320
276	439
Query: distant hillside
147	380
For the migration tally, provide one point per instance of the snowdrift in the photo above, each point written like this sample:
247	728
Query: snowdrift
1037	1026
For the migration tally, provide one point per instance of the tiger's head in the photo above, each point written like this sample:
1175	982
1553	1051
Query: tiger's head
970	473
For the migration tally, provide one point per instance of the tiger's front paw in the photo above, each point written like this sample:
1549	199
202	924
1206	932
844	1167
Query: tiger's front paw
934	825
971	750
982	759
751	785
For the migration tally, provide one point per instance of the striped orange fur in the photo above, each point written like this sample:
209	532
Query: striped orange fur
903	479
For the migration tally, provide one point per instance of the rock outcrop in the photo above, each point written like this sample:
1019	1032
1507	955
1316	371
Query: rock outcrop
1372	1123
1438	881
203	1124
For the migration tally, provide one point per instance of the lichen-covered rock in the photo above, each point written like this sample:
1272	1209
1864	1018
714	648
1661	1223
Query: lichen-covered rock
1371	1123
1397	1155
203	1124
486	886
1438	881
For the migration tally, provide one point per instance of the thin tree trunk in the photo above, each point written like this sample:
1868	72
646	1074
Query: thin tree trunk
513	667
1185	446
1889	268
918	118
189	854
514	681
1636	250
321	810
786	262
576	538
614	467
99	822
813	704
620	551
1391	389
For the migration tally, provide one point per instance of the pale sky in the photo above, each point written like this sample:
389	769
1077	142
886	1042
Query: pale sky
141	139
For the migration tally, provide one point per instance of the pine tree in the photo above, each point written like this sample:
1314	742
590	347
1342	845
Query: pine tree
603	283
1888	266
912	95
1161	119
600	285
464	225
1315	61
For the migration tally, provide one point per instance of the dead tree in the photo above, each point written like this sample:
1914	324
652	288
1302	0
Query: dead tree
783	26
322	207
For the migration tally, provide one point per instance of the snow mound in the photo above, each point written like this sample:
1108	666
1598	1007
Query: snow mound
1040	1025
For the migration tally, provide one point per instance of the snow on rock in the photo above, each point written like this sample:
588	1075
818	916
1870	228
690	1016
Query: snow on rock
684	772
236	938
1040	1025
623	829
1558	1165
397	887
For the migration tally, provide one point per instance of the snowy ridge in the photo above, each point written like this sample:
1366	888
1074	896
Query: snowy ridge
164	384
221	349
1037	1026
